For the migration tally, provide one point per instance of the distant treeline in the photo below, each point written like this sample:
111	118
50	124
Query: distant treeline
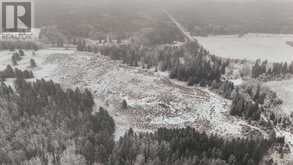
267	71
9	72
52	35
162	33
12	45
219	18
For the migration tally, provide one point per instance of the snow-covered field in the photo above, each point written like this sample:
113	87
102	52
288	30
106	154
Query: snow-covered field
153	99
251	46
284	90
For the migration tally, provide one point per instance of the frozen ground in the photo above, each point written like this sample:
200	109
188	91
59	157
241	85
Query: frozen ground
251	46
153	99
284	90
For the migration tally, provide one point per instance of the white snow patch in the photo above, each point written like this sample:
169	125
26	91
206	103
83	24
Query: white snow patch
237	82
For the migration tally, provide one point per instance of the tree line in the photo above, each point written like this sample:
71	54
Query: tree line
262	69
13	45
187	147
9	72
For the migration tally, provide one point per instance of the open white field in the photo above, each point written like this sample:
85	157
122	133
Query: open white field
251	46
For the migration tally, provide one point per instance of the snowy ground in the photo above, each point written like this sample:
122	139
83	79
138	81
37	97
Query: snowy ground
284	90
251	46
153	99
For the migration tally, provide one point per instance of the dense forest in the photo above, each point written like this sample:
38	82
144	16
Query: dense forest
163	32
249	100
248	104
266	71
188	147
9	72
41	123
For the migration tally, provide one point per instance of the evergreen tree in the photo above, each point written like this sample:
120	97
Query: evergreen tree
124	104
21	52
33	63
